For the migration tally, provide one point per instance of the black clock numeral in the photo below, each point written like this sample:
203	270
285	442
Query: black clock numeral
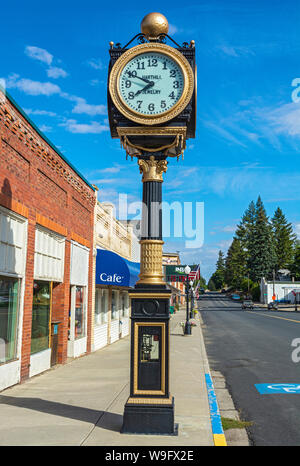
152	62
172	95
132	74
176	84
165	65
139	102
130	95
172	73
151	107
163	104
140	65
127	83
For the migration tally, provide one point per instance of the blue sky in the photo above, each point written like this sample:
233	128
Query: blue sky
54	63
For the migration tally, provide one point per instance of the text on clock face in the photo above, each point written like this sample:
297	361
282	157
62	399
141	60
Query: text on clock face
151	83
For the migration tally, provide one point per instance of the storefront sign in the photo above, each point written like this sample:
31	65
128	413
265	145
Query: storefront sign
112	269
176	273
115	278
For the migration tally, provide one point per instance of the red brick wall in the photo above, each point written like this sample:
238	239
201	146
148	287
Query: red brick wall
38	184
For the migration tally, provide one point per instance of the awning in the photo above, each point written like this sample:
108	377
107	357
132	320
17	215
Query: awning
114	270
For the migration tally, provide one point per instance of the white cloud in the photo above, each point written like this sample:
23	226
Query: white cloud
31	87
94	82
285	119
54	72
83	107
84	128
235	50
297	229
39	54
45	128
229	228
172	29
96	63
29	111
111	170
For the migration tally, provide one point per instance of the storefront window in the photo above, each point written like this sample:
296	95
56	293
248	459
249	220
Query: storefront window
114	308
101	306
123	304
79	312
9	288
40	316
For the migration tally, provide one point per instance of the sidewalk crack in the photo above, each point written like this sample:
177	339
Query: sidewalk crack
102	413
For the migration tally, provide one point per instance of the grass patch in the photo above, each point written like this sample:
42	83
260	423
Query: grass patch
234	424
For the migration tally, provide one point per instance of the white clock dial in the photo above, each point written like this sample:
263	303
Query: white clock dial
151	83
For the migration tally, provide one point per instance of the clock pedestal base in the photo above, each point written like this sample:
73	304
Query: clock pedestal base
150	408
149	419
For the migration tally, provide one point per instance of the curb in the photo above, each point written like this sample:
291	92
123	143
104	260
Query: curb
216	423
215	417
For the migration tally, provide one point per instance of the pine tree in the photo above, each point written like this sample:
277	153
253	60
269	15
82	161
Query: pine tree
235	264
283	240
245	232
211	285
218	277
262	258
295	266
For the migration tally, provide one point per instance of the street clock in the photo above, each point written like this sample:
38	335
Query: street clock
151	102
151	83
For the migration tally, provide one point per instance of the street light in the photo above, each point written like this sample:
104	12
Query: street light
187	328
192	293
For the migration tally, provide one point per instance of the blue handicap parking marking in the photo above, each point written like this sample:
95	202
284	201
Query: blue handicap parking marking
274	388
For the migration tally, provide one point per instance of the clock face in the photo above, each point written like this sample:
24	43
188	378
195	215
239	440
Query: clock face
151	83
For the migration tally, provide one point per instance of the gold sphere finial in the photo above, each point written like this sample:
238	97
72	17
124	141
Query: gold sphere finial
154	24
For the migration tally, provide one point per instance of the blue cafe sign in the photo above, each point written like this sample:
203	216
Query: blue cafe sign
114	270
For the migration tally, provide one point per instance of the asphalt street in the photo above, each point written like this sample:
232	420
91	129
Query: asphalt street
255	347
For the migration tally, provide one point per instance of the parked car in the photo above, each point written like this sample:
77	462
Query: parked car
247	304
273	306
235	297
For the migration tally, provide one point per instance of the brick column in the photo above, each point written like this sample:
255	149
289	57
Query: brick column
28	296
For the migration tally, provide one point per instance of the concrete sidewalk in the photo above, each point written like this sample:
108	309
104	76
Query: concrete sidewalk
82	402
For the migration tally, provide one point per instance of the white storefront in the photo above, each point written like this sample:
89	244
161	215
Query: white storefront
77	339
13	234
48	269
284	291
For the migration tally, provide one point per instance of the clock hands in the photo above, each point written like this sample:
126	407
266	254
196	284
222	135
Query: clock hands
151	84
139	77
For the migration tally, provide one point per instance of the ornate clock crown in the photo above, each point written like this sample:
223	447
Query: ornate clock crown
153	25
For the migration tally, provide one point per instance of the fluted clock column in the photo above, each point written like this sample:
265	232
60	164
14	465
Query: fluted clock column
151	237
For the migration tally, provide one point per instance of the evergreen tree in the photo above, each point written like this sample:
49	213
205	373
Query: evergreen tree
218	277
245	232
235	264
283	240
262	257
295	267
211	286
220	266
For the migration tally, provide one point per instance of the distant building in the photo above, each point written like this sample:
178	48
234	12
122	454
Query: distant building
284	291
116	267
177	288
171	258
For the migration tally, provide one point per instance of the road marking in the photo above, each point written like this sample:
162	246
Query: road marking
275	388
274	317
215	417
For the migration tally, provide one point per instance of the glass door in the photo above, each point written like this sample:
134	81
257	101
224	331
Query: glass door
41	309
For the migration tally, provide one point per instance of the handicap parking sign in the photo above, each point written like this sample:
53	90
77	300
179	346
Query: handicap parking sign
276	388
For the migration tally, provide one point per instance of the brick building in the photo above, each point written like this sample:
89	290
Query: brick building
46	251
